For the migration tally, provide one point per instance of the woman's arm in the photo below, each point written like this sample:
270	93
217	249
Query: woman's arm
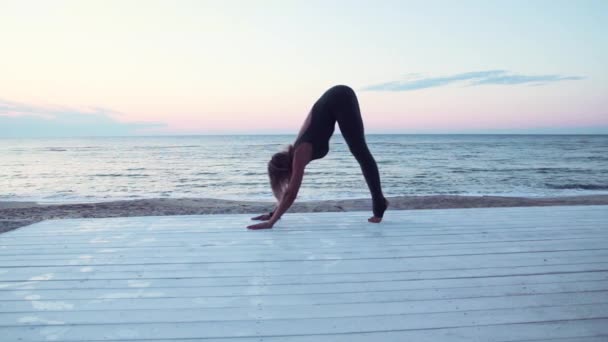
289	195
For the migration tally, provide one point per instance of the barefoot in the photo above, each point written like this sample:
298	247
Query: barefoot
376	219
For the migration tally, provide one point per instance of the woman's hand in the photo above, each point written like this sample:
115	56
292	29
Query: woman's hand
261	225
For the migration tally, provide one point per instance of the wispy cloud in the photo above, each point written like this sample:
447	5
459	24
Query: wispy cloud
475	78
25	120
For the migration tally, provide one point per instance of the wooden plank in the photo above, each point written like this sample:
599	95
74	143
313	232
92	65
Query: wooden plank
323	244
336	265
324	231
144	239
561	331
294	255
86	273
260	288
41	307
330	278
274	251
295	229
255	327
310	238
297	311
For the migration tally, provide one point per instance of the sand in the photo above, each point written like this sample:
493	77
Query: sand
18	214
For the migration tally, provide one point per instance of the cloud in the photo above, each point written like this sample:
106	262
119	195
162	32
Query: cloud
475	78
24	120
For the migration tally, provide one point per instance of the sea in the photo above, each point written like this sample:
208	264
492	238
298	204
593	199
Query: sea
68	170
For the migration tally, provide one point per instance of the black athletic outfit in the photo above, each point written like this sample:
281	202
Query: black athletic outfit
340	104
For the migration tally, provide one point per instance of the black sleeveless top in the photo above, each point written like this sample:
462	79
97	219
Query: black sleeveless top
320	129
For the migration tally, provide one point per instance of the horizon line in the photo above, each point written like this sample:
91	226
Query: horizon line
288	134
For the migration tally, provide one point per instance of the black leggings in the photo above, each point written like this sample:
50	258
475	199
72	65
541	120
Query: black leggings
343	106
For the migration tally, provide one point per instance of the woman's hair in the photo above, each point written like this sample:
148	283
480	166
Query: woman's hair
279	171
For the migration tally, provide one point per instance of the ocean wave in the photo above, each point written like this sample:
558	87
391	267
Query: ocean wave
134	175
251	173
163	147
577	186
388	144
205	173
88	148
523	169
589	158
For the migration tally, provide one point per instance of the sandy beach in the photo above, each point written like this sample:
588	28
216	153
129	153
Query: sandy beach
18	214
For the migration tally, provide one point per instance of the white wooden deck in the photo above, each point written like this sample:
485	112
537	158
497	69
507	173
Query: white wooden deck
512	274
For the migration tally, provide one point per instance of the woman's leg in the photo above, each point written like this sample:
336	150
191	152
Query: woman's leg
346	109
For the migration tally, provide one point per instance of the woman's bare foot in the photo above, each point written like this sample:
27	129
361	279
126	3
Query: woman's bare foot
377	219
374	219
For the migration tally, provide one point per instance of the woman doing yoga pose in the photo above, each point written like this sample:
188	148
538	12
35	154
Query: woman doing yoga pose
286	168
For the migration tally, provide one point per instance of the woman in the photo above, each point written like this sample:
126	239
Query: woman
286	168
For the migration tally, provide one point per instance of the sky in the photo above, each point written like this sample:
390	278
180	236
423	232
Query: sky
124	67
